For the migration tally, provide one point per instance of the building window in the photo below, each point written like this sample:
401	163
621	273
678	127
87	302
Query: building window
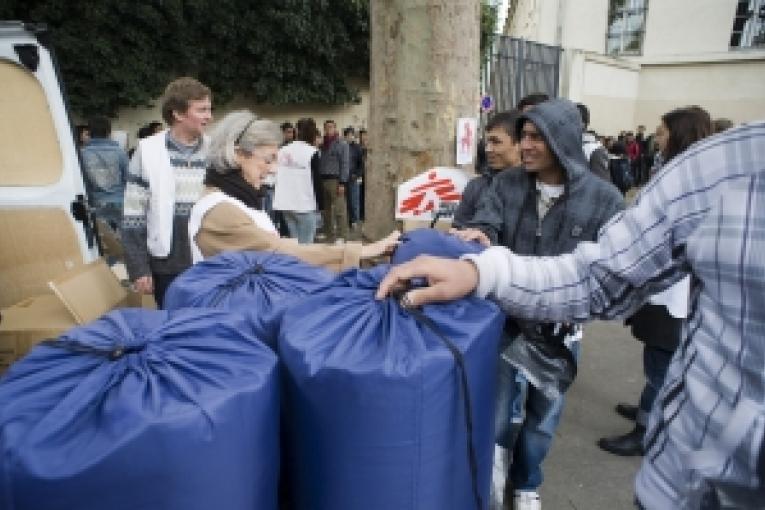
749	24
626	26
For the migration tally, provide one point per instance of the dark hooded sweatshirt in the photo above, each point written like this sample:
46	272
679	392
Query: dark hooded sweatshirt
507	213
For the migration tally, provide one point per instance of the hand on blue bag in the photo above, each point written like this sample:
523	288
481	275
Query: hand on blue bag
447	280
471	234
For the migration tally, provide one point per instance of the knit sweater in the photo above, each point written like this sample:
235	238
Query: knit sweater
188	164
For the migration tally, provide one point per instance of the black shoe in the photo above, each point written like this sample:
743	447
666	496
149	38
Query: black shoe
627	411
628	445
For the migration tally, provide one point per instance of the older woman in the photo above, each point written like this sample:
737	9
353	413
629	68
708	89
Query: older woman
229	215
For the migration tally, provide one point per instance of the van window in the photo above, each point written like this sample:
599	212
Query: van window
30	154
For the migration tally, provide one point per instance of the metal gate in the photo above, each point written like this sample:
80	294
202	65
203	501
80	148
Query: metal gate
517	67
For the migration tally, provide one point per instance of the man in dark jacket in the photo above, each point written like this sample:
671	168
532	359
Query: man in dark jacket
594	152
546	208
355	171
334	177
502	151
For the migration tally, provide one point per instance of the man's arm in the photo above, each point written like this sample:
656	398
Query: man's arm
489	212
466	208
639	252
344	162
137	193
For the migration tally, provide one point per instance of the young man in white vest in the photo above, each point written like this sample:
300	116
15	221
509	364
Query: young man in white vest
165	180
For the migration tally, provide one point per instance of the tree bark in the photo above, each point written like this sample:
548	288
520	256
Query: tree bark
424	76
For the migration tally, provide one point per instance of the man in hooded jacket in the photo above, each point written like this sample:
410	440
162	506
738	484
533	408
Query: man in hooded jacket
547	207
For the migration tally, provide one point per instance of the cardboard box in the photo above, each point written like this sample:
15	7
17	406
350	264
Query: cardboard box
76	297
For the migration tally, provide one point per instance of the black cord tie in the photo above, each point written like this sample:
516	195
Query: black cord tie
112	354
235	282
459	360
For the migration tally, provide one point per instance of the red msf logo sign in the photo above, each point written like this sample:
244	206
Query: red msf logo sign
424	198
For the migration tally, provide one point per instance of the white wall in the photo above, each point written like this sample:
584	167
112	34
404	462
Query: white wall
585	24
609	87
131	119
728	89
688	27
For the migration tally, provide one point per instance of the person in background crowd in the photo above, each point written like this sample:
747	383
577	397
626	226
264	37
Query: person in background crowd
334	174
658	324
503	151
701	216
548	208
633	154
298	183
152	128
105	167
165	179
355	171
288	133
619	146
720	125
643	165
594	152
243	150
82	134
531	100
364	149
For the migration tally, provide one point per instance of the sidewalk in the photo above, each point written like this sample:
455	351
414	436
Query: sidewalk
578	474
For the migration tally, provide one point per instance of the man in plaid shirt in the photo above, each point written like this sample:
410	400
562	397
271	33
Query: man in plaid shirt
703	215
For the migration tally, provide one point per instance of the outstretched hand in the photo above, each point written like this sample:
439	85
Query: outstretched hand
447	280
471	234
384	246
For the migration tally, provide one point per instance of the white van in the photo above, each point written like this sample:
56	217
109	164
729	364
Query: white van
45	230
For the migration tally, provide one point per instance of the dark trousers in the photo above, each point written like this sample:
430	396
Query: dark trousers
655	364
161	283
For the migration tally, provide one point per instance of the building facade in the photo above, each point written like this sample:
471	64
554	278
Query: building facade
631	61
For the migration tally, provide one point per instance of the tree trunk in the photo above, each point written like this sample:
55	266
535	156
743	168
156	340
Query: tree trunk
424	76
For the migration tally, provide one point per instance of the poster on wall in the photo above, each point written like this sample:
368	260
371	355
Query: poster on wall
423	195
466	140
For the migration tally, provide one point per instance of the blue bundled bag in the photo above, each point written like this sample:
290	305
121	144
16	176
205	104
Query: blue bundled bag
258	284
375	402
142	410
428	241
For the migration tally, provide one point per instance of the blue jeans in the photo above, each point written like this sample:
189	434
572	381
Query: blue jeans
354	201
526	421
301	225
655	364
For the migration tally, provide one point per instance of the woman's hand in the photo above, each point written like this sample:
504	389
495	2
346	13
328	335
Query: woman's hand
384	246
471	234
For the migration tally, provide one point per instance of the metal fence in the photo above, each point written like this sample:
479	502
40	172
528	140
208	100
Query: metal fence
516	67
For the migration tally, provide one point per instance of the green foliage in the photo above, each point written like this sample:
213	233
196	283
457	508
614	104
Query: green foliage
115	53
488	23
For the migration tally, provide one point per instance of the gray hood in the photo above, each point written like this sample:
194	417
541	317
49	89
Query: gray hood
561	126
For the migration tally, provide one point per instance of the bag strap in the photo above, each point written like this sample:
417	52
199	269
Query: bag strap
459	360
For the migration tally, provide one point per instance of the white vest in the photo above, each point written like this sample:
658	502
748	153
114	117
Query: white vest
294	189
207	202
160	174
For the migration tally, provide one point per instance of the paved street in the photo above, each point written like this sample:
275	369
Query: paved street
578	475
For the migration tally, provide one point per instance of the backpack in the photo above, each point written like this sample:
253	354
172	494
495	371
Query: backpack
621	174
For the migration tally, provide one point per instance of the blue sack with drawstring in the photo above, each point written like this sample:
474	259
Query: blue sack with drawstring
258	284
428	241
141	410
385	407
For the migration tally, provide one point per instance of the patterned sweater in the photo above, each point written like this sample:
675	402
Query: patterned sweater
188	164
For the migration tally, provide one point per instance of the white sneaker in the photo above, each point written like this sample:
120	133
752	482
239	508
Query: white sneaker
527	500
